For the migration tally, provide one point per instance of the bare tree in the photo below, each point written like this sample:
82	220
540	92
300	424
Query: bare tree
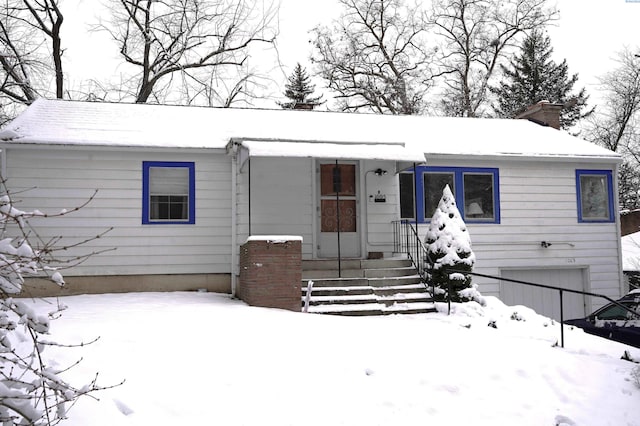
375	57
16	80
43	16
46	17
629	185
187	43
615	124
476	36
30	52
223	87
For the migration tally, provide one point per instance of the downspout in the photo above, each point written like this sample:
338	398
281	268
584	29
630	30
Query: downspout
234	220
616	211
337	186
249	191
3	162
415	195
419	262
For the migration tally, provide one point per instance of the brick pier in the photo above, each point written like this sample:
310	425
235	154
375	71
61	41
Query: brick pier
271	272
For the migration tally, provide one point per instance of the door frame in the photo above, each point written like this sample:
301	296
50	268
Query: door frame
357	239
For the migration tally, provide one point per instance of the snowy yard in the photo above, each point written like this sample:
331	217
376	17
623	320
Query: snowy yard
203	358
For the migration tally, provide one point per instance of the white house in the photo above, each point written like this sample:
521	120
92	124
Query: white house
183	187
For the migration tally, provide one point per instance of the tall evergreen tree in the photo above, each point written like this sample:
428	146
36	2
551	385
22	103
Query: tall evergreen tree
532	77
299	90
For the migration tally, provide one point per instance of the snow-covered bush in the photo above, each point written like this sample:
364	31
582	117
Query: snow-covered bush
32	390
449	246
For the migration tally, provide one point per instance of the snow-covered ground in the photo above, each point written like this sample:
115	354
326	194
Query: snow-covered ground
203	358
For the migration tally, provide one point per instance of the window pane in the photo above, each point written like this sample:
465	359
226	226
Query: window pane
158	208
594	197
331	216
178	207
168	180
615	312
478	196
407	209
169	193
173	207
340	178
434	184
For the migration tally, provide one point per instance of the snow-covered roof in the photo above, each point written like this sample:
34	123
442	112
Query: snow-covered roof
405	157
142	125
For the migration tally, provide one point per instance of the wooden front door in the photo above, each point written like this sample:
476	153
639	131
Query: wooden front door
338	210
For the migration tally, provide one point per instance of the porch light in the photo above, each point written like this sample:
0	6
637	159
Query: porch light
380	172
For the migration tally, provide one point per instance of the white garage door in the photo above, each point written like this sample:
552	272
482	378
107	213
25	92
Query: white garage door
546	301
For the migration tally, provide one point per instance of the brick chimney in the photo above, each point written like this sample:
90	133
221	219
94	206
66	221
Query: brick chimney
544	113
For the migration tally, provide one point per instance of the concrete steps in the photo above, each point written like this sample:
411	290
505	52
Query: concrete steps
365	287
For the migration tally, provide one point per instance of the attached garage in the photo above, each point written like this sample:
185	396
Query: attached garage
546	301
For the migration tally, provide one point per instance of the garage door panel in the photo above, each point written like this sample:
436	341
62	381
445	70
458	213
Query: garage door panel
545	301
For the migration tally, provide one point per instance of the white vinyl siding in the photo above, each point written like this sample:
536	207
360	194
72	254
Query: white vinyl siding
64	178
378	229
281	199
538	203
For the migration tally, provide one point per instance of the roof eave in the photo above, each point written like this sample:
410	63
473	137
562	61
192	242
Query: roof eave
616	159
104	146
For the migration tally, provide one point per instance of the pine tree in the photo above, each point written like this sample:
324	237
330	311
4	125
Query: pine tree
532	77
299	90
449	245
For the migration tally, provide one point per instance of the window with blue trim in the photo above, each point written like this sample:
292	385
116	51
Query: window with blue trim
168	192
476	191
594	189
407	206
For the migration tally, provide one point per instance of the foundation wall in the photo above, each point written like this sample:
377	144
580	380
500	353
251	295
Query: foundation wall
217	283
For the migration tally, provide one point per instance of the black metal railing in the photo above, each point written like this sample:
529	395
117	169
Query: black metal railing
406	240
560	290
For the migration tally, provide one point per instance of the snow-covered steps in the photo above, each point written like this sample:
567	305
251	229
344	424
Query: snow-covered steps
366	287
356	268
373	309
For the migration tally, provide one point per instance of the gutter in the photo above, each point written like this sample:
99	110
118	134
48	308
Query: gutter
525	157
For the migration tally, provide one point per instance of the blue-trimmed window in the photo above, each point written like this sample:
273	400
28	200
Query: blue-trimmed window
594	189
476	191
407	199
168	192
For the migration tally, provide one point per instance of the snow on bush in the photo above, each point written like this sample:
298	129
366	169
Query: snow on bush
32	390
449	247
